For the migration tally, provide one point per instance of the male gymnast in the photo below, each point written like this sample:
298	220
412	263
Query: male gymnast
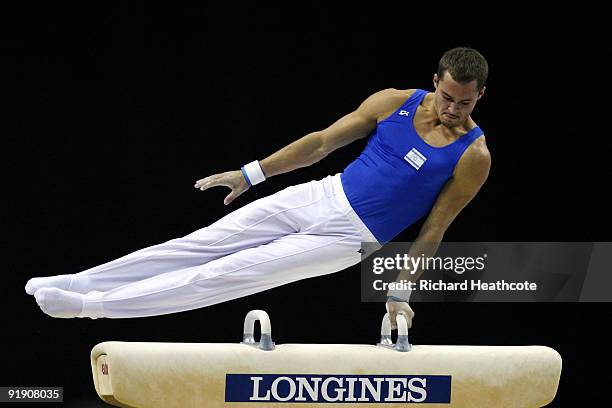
425	157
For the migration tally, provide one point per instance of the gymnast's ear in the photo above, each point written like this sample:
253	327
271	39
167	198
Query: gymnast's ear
435	81
481	92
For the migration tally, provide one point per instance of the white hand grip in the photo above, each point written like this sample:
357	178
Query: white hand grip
402	325
402	343
265	342
264	322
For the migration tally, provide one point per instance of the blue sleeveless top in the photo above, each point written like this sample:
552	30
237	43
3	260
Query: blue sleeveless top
397	178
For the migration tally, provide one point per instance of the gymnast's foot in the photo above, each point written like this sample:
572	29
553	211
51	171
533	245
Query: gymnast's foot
59	303
59	282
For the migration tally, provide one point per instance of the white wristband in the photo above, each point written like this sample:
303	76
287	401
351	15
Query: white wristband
402	295
253	173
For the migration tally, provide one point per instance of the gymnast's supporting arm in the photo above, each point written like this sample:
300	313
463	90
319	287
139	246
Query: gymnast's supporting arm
470	174
314	146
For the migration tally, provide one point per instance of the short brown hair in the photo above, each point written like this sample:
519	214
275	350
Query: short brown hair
465	65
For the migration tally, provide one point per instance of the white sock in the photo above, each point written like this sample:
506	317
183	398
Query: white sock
59	281
59	303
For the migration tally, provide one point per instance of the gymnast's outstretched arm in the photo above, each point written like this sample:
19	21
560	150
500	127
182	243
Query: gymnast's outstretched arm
470	174
314	146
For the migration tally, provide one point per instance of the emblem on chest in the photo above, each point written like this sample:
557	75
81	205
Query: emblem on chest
415	158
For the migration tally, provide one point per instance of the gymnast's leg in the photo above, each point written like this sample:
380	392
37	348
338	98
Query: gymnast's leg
254	224
287	259
325	240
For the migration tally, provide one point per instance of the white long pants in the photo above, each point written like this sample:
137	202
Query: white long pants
300	232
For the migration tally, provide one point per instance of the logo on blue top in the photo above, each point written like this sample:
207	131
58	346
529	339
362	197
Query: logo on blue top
415	158
338	388
404	113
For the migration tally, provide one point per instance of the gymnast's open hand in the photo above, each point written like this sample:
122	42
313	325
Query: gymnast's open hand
395	308
232	179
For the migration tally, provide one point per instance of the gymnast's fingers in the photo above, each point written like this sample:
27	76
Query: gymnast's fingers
212	181
203	181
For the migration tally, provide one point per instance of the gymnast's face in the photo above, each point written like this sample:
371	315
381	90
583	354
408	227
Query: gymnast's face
454	101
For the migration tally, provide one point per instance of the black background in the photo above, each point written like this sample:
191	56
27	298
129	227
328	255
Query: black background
112	114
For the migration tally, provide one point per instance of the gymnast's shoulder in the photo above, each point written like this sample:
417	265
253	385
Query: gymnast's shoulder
384	102
396	95
477	156
478	148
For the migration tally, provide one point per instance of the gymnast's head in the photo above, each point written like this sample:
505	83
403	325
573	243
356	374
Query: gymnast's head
460	83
